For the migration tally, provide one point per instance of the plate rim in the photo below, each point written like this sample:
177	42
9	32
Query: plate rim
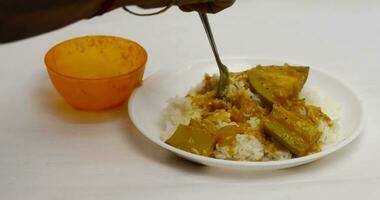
232	163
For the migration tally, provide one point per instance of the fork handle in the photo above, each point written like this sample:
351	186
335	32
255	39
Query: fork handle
210	36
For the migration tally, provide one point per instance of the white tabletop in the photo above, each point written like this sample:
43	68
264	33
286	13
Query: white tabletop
50	151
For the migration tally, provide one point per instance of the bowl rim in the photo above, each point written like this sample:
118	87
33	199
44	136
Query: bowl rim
275	163
50	51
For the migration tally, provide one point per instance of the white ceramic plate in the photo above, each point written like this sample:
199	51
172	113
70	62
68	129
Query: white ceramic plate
147	103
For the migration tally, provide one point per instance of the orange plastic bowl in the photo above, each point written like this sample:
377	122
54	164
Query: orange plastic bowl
96	72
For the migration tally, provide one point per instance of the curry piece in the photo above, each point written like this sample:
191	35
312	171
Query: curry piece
297	134
310	112
278	84
316	115
226	135
193	138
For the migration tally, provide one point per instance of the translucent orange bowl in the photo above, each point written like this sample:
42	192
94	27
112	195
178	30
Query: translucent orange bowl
96	72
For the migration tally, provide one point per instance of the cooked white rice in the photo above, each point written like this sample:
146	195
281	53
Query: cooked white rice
247	148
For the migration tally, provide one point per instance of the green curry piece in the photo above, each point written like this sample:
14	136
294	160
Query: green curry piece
278	84
193	138
297	134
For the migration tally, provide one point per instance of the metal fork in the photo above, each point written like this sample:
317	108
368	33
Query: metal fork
223	70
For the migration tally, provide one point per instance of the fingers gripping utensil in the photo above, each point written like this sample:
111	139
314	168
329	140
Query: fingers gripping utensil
223	70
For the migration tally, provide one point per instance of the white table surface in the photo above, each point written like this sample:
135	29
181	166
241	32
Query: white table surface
50	151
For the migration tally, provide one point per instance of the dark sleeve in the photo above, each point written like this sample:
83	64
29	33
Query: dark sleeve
22	18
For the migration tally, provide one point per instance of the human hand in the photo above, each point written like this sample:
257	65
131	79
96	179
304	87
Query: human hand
204	6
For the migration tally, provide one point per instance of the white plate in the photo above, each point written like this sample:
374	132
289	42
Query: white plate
147	103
